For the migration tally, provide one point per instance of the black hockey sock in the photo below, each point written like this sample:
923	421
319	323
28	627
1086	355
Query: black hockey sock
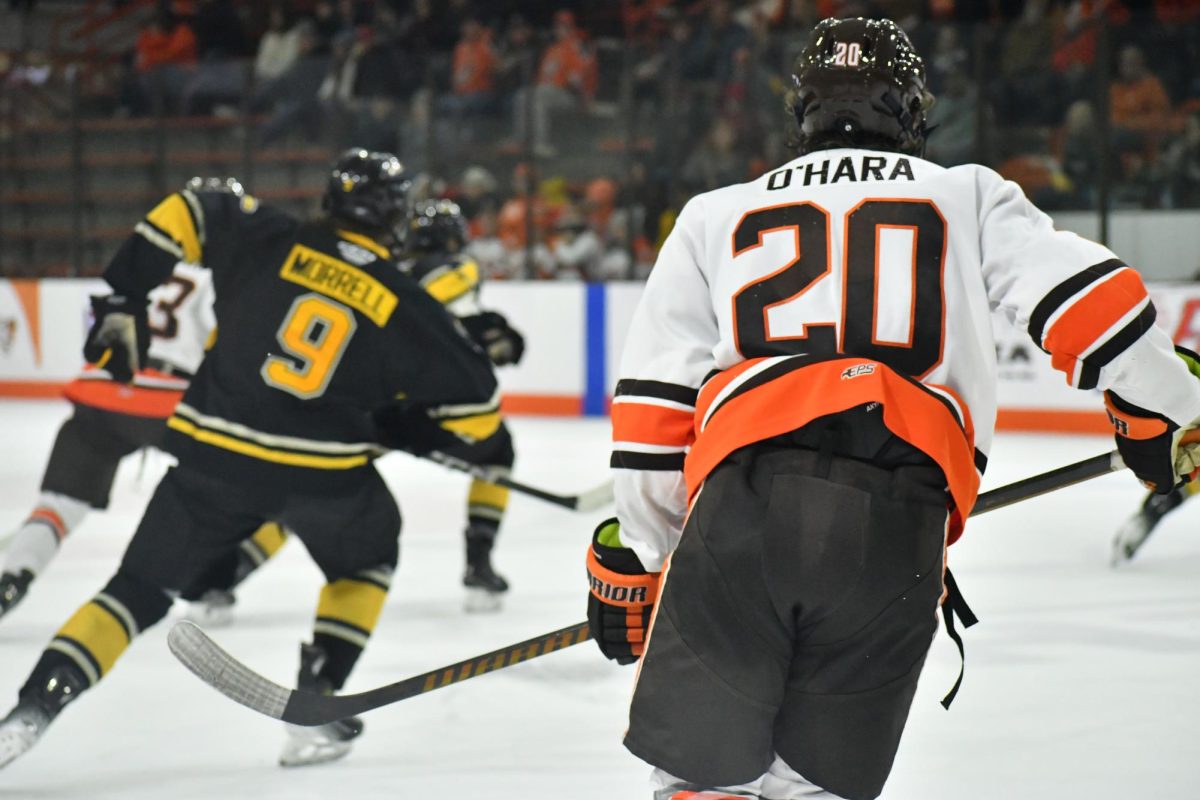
346	616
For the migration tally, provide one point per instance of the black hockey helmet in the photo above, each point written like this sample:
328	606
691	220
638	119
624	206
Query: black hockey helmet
368	191
860	83
231	185
436	226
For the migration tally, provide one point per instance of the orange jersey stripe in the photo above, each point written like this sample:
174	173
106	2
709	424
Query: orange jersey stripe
123	399
1090	317
50	517
650	424
798	397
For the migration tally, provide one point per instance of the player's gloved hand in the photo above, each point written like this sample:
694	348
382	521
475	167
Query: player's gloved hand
1151	445
120	336
622	595
410	428
491	331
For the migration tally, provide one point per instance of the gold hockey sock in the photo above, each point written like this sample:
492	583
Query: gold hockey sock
346	615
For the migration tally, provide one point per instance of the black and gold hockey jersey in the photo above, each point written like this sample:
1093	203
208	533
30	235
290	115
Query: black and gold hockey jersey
451	278
316	330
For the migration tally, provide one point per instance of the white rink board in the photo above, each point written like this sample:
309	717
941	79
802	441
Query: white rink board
553	318
1081	681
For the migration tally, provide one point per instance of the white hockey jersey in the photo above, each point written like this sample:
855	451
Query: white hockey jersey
181	318
849	277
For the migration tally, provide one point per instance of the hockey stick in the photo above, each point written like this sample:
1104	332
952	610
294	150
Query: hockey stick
205	658
239	683
590	500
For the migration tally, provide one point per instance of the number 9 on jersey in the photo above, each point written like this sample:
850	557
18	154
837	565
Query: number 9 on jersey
314	334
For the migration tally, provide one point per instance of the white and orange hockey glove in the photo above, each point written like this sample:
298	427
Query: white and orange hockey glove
1159	452
622	595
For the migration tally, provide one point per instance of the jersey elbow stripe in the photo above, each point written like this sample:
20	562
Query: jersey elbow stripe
643	390
651	462
1060	296
652	424
1086	322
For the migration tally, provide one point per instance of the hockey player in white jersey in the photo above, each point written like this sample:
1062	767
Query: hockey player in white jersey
114	417
806	405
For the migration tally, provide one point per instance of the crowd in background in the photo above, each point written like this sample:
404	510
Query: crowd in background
572	158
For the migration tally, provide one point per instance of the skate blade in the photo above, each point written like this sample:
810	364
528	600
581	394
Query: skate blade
16	739
481	601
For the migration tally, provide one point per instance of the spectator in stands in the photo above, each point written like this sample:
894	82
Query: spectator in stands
1026	88
280	46
219	31
1181	165
716	161
486	247
472	78
955	119
576	248
710	51
477	192
1138	104
566	79
220	79
292	98
165	54
515	58
1081	153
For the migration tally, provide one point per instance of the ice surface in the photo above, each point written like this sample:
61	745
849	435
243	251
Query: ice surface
1081	680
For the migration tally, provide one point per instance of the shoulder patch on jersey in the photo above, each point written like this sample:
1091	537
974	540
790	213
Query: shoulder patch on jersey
355	254
249	204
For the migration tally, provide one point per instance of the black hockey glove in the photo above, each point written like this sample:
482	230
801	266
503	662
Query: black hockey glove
1150	445
410	428
120	336
622	595
503	344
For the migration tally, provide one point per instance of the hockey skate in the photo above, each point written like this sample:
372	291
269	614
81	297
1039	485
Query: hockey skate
319	744
214	609
12	588
485	587
1137	529
34	712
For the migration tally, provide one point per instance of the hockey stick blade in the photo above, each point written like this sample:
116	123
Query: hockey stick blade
211	664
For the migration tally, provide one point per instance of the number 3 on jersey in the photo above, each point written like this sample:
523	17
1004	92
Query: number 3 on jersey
867	295
314	334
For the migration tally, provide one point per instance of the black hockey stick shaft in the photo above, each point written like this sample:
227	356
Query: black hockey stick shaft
577	502
1053	480
214	666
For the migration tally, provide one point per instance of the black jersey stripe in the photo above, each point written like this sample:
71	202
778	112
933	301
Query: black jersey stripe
655	462
676	393
1060	294
981	461
1123	339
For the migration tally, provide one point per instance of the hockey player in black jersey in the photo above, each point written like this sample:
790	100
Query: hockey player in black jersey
326	354
431	254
